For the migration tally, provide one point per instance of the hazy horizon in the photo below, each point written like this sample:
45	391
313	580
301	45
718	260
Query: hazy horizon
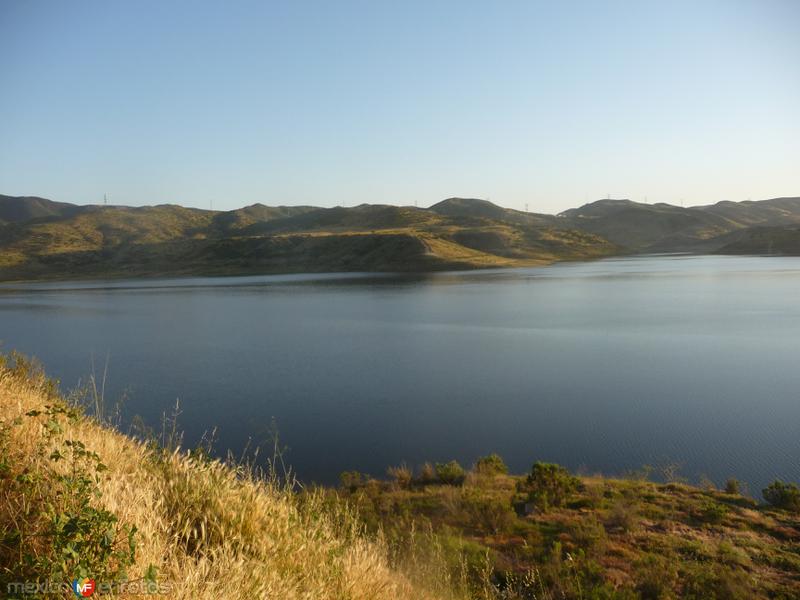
547	105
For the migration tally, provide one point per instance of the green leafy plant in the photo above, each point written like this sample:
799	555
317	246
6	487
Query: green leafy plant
782	495
733	487
73	536
491	465
450	473
549	484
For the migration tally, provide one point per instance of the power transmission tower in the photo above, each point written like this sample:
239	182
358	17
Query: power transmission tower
105	199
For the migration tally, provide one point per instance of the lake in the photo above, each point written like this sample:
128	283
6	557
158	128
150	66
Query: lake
601	366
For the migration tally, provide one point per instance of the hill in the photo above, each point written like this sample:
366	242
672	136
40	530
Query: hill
550	534
17	209
44	239
666	228
763	241
107	241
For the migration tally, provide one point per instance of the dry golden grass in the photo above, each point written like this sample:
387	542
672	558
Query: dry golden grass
210	529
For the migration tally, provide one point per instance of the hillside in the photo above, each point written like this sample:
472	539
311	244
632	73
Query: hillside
763	241
17	209
78	499
44	239
666	228
554	535
107	241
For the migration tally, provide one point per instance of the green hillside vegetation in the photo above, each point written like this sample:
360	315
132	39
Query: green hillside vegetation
44	239
553	535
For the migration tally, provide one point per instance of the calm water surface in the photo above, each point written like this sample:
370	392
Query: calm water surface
604	366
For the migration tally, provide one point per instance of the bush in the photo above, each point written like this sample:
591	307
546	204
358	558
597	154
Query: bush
782	495
623	516
491	465
352	480
401	475
549	484
589	536
713	512
487	513
656	577
732	486
58	529
450	473
427	474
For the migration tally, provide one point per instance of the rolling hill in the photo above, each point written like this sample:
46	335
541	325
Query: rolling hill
40	238
666	228
94	241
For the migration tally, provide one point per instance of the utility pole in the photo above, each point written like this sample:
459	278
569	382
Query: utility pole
105	199
526	207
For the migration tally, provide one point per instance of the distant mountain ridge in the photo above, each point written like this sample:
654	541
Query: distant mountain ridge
667	228
40	238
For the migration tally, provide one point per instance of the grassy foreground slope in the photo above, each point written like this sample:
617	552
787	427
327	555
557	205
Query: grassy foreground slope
78	499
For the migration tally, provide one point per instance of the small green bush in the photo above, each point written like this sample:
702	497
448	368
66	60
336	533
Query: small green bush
427	474
488	513
401	475
623	516
549	484
491	465
352	480
732	486
656	577
713	512
782	495
73	536
450	473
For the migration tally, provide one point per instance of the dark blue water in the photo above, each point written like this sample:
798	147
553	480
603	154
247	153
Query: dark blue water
604	366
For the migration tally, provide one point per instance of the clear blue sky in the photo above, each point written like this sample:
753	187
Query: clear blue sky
551	104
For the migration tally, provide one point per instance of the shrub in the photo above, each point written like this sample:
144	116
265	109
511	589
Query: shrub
427	474
491	465
717	582
59	528
450	473
352	480
549	484
401	475
589	536
623	516
782	495
732	486
488	513
713	512
656	577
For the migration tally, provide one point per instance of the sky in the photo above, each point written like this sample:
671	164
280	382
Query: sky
544	104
